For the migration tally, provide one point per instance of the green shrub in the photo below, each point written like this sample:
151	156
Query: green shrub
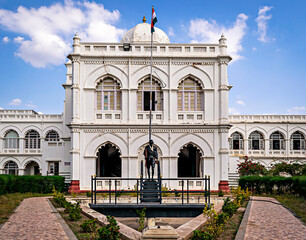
142	217
88	193
110	231
229	207
176	193
166	194
220	193
202	235
27	183
89	225
75	212
294	169
274	184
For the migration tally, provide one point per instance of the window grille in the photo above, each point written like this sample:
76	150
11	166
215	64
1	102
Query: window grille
32	140
108	95
236	141
277	141
256	141
11	168
11	140
52	136
297	141
143	96
190	96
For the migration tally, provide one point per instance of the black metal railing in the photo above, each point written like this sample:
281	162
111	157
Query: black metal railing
112	189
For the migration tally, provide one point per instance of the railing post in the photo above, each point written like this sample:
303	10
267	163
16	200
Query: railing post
137	190
208	189
205	179
115	191
91	189
182	191
95	189
110	190
187	191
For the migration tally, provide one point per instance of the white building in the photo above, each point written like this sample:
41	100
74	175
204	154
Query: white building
104	126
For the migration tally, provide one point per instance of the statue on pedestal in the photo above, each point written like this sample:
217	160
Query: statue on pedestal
151	157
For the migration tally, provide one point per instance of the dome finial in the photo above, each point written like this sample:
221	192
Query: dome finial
144	19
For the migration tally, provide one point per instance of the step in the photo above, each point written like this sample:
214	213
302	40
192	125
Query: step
150	200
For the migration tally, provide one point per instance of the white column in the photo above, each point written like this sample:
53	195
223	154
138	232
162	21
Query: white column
132	105
125	105
21	145
75	154
88	169
246	147
267	147
166	105
287	147
173	105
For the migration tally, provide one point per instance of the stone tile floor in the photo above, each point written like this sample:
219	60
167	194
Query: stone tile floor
268	220
33	220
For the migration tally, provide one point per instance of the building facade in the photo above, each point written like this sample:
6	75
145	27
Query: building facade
104	126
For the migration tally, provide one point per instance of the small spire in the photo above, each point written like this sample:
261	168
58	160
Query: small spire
144	19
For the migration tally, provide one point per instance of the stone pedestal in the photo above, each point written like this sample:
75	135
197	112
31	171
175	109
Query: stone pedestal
160	232
224	186
74	186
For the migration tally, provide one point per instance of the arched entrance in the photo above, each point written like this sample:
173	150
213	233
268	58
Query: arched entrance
108	161
189	161
32	168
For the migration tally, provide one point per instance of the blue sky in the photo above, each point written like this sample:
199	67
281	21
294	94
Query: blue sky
266	38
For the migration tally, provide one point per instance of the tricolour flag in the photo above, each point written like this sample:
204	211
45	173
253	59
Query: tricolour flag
154	20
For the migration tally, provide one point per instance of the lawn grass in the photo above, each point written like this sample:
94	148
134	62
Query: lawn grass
9	202
295	203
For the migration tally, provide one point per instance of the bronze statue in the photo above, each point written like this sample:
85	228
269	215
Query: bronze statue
151	157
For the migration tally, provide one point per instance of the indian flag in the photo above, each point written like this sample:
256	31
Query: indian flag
154	20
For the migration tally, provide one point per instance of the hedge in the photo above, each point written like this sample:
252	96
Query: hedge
274	185
34	184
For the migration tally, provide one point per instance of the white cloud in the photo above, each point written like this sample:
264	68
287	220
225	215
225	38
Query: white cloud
18	39
240	102
15	102
46	32
233	111
254	48
297	110
30	105
5	39
1	108
201	30
262	20
171	32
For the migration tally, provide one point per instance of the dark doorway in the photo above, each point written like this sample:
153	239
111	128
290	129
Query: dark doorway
146	102
108	162
189	162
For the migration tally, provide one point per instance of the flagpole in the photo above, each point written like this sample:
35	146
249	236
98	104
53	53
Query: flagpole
150	121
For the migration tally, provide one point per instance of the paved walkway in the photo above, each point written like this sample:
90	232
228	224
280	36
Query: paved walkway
33	219
266	219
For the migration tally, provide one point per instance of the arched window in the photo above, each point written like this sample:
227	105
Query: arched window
108	95
11	140
32	140
277	141
297	141
11	168
52	136
236	142
143	96
256	141
190	96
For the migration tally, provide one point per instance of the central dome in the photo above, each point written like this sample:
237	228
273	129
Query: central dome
142	34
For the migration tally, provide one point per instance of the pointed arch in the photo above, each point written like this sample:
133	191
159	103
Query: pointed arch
196	72
96	142
158	141
104	70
